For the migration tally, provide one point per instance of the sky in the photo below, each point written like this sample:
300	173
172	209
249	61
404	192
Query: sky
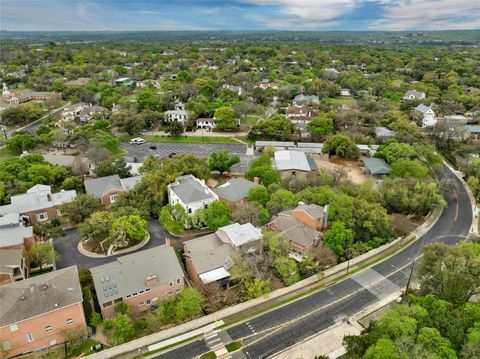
311	15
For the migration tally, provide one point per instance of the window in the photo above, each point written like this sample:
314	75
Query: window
41	217
129	296
189	210
69	321
134	294
148	302
13	328
116	301
170	284
178	290
48	329
105	305
178	280
170	293
147	290
6	345
141	292
29	337
113	198
141	304
52	342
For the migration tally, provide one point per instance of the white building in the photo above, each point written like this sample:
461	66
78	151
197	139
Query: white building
206	123
414	95
177	115
238	89
302	100
191	193
429	118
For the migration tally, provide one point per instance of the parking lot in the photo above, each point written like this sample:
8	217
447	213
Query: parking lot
138	152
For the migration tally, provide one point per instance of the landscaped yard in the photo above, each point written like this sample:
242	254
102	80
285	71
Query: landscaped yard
340	100
4	154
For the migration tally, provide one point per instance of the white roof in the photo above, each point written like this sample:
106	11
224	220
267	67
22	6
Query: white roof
12	231
135	166
240	234
291	160
214	275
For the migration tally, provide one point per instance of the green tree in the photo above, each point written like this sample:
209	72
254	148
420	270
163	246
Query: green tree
73	183
342	146
450	272
394	151
217	215
225	119
123	329
320	126
129	228
127	122
222	161
256	287
81	208
280	200
173	218
261	167
431	340
21	142
251	212
338	238
117	166
175	129
48	230
383	349
189	303
42	254
258	194
148	100
287	270
277	127
406	168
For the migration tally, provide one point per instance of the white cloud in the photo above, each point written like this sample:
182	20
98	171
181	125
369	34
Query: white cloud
429	15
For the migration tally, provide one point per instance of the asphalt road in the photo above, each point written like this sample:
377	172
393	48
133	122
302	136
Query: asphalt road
164	149
69	254
281	328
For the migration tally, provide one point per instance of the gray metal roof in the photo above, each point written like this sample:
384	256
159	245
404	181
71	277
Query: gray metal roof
422	108
294	230
128	273
291	160
234	190
98	187
274	144
189	189
376	166
38	295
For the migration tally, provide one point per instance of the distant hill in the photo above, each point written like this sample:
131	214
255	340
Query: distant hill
466	37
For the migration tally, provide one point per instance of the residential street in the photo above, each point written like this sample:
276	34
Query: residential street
69	254
281	328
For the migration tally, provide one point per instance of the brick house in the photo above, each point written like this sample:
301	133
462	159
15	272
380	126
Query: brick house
39	204
139	279
13	265
300	228
234	191
208	258
106	189
41	311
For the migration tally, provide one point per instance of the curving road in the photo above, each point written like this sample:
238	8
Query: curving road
281	328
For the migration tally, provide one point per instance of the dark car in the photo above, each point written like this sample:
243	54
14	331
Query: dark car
153	147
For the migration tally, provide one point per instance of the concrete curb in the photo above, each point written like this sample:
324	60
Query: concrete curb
118	253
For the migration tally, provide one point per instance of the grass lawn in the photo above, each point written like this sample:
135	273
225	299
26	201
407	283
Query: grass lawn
206	139
231	347
118	151
340	100
249	120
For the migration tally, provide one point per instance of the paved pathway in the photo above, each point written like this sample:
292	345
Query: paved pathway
69	254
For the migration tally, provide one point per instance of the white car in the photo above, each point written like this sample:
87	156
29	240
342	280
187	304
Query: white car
137	141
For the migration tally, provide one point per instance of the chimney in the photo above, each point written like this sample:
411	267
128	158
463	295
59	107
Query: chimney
256	180
49	197
151	280
325	216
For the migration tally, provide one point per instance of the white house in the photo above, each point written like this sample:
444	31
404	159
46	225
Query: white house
177	115
302	100
191	193
238	89
345	93
429	117
414	95
206	123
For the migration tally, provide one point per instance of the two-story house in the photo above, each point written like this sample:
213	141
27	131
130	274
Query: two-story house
41	311
428	115
178	115
191	193
108	188
139	279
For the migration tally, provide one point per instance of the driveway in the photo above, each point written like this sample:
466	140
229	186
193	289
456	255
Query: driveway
69	254
163	150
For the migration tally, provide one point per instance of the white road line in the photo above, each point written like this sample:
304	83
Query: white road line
456	211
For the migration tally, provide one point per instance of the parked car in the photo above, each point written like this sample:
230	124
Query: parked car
137	141
153	147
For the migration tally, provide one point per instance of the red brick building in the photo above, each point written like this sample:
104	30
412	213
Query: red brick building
106	189
41	311
139	279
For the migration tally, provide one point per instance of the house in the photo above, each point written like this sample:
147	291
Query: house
191	193
39	204
383	133
238	89
41	311
234	191
69	113
414	95
81	81
149	83
135	168
428	116
294	163
345	93
265	84
205	123
13	265
299	114
13	233
300	228
209	258
177	115
302	100
139	279
473	131
376	166
108	188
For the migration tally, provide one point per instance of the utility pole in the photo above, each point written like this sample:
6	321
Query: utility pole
410	275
